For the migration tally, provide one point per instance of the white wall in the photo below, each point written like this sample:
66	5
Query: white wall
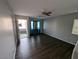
61	27
7	42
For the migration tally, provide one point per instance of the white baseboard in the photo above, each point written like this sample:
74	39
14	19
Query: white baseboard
59	38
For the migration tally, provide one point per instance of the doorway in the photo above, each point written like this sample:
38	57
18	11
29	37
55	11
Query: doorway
22	27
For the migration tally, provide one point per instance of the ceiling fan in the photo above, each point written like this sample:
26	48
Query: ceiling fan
47	12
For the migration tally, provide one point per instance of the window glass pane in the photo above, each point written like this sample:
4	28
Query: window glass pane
75	27
31	24
38	25
22	23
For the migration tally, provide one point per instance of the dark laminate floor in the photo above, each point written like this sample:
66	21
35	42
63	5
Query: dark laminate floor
43	47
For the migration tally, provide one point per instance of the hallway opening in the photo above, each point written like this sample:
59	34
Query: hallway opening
22	26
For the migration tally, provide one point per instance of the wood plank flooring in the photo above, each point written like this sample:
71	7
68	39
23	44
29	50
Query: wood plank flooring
43	47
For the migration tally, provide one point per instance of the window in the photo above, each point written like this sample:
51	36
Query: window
32	25
75	27
38	25
22	23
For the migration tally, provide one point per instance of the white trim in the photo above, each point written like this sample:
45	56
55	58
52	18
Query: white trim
74	51
60	39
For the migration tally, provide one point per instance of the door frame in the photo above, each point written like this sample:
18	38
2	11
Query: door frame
16	30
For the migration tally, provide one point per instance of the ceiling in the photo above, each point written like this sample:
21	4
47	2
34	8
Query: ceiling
35	7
